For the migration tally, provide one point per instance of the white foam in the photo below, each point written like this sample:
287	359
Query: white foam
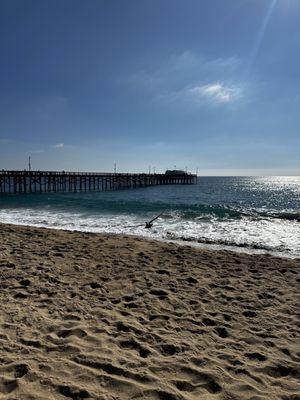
274	235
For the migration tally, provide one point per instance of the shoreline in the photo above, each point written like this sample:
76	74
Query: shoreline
106	317
197	244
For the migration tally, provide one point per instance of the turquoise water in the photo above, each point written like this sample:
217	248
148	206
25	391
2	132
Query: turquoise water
241	212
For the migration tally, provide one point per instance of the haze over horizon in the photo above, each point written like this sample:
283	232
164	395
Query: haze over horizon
212	85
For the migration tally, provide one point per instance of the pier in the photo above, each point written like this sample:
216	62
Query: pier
61	181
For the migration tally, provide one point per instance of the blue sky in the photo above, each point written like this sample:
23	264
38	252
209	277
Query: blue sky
213	84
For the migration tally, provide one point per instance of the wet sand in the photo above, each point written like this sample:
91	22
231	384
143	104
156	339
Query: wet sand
90	316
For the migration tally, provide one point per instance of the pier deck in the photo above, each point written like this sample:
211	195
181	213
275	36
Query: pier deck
61	181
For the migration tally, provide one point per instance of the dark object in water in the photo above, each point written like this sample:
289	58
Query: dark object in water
149	224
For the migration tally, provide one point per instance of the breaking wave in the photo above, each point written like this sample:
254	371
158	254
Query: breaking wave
242	213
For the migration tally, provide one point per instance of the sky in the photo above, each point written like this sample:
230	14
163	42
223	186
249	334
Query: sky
212	85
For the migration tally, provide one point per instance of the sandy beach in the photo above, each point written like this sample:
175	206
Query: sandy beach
90	316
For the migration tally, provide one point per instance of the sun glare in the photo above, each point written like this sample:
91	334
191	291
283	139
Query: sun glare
261	33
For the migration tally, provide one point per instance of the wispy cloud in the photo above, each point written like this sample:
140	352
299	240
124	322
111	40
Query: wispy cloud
4	141
190	78
192	61
199	95
216	93
181	70
185	60
58	146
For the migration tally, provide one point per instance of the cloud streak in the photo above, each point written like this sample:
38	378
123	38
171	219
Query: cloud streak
189	61
180	70
4	141
190	79
216	93
58	146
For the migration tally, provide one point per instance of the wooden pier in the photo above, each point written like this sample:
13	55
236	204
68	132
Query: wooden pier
61	181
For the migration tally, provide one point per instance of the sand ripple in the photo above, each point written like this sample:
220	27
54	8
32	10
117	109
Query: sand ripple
87	316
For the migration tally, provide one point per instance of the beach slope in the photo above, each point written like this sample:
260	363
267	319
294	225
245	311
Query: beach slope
90	316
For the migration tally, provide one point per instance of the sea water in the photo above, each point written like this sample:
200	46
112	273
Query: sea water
249	213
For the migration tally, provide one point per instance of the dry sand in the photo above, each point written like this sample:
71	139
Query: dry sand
109	317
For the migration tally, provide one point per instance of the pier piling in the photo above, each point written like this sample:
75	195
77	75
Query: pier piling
61	181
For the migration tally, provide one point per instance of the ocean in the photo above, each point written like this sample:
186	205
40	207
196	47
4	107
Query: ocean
252	214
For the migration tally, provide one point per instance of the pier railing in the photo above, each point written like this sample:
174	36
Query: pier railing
62	181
